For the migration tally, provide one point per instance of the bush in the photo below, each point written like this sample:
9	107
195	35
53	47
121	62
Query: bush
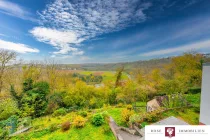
194	90
79	122
65	126
8	107
120	105
106	129
153	116
83	113
4	134
53	127
51	107
60	112
143	124
135	119
97	120
25	122
105	114
197	109
126	115
129	107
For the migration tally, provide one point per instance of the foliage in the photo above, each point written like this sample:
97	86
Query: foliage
65	126
60	112
126	115
89	78
79	122
53	127
173	87
25	122
194	90
4	134
120	105
118	76
27	85
105	114
83	113
33	101
135	118
97	119
143	124
153	116
8	107
106	129
129	107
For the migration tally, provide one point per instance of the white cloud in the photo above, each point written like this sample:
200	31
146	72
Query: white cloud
189	47
20	48
15	10
59	39
66	24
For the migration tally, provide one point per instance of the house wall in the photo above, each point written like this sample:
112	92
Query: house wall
152	105
205	95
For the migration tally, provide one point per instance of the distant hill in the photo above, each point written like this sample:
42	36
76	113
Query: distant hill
146	65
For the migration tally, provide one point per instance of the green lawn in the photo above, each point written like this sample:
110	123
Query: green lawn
189	115
107	75
40	130
115	113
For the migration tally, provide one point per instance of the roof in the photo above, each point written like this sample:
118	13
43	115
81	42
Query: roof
171	121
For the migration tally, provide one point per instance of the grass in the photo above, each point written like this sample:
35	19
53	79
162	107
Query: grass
115	113
107	75
41	131
89	132
189	115
41	125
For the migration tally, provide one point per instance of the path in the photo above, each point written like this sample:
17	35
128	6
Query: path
120	134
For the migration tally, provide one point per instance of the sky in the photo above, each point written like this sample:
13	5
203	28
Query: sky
104	31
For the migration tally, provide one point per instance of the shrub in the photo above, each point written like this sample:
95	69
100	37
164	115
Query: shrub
135	119
129	107
51	107
105	114
83	113
4	134
97	119
79	122
143	124
25	122
120	105
53	127
197	109
8	107
194	90
126	115
65	126
60	112
153	116
106	129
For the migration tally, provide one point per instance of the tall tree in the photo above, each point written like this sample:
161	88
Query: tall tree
6	57
119	73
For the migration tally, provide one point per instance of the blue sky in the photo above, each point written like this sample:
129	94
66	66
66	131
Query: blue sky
84	31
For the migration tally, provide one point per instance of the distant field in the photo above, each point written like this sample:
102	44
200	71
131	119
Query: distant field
107	75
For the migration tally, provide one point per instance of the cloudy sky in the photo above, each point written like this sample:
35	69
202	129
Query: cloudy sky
84	31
